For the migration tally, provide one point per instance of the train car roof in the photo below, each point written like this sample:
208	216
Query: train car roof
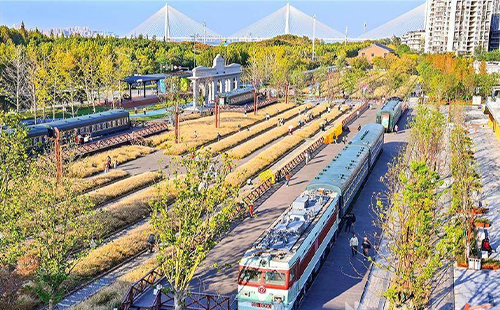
390	106
341	169
237	91
70	123
368	135
90	119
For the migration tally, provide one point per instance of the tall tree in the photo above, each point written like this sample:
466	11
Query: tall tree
189	228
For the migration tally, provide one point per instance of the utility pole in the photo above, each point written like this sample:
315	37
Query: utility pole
346	33
176	126
194	51
287	19
314	35
364	28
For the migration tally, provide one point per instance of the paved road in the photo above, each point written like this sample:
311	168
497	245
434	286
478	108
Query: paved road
350	273
226	254
482	287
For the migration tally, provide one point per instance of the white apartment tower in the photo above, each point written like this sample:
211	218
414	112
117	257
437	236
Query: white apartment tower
458	26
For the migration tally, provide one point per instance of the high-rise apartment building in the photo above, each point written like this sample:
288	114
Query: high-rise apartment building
458	26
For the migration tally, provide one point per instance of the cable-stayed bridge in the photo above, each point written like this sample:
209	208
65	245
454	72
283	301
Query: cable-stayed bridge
288	20
409	21
170	24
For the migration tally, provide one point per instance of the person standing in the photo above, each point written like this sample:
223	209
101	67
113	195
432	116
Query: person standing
287	179
219	136
357	114
353	243
396	128
115	164
144	111
195	134
348	222
308	157
344	139
366	246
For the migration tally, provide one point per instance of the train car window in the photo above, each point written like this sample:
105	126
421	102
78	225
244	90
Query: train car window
275	277
249	275
292	275
114	123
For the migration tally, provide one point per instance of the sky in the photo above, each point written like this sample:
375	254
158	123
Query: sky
224	17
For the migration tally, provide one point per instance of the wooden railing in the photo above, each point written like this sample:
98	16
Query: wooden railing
144	283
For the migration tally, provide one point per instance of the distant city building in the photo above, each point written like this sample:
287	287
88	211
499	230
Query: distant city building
495	31
491	66
375	50
458	26
83	31
414	39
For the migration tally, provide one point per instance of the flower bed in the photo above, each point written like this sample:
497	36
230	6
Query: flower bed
95	164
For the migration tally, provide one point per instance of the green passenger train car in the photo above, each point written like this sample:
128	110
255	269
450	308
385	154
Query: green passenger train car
390	113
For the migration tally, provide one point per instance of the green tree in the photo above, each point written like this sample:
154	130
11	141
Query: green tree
190	227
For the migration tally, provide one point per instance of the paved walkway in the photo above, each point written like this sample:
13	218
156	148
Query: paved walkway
218	273
350	273
480	287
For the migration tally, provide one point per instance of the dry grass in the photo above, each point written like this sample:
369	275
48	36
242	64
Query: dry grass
95	164
88	184
110	254
206	130
111	296
233	140
249	147
122	187
270	155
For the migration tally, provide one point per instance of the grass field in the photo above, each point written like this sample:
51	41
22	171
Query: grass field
90	183
233	140
249	147
122	187
95	164
206	130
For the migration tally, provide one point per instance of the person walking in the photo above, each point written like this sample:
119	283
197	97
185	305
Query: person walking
115	164
348	222
396	128
250	210
219	136
195	134
359	128
151	242
106	167
307	157
357	114
366	246
353	243
287	179
344	139
144	111
290	129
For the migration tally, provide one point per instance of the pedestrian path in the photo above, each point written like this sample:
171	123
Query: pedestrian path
483	286
351	272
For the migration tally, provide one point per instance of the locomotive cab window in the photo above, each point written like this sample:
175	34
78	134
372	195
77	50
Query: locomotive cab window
275	277
249	275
